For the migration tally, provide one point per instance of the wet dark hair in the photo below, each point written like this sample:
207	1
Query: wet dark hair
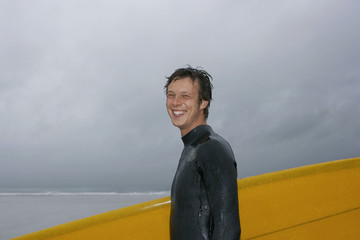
197	75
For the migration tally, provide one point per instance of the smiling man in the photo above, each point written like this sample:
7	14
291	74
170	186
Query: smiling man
204	201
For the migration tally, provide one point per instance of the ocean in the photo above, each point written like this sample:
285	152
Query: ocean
23	213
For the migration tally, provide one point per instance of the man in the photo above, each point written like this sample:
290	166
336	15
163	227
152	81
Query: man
204	201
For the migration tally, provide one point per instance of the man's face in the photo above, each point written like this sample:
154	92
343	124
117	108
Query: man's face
182	103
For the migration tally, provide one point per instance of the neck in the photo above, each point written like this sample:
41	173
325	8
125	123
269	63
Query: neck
185	131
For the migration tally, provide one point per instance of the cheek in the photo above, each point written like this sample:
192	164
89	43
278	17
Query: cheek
167	103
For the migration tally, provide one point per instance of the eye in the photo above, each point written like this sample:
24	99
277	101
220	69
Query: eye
170	95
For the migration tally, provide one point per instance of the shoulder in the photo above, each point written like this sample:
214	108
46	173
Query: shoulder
216	158
214	142
216	147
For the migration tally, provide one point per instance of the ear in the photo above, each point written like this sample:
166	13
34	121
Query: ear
203	104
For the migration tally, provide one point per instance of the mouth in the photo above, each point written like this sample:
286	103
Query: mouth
178	113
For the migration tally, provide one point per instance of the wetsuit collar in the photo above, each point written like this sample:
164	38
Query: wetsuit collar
195	133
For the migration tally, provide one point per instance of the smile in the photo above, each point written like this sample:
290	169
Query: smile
178	113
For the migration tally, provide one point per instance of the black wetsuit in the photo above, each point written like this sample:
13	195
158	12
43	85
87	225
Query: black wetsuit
204	201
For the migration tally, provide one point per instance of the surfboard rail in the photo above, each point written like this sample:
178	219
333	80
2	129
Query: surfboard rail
320	201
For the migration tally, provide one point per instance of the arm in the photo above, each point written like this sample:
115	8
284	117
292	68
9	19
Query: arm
220	178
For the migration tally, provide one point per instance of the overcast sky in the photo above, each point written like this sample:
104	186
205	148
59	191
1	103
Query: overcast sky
82	103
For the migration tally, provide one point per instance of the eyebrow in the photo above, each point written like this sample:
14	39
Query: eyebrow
187	92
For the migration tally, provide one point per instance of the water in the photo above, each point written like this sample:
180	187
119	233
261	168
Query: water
22	213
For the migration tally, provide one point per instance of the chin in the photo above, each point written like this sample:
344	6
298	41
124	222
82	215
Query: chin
177	124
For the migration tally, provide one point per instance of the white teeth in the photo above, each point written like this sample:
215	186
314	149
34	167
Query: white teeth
178	112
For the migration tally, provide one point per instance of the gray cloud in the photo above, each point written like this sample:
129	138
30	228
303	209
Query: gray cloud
81	87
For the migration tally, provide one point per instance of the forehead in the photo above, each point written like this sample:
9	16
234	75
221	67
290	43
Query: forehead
183	85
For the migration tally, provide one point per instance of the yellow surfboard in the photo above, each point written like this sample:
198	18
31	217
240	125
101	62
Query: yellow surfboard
320	201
